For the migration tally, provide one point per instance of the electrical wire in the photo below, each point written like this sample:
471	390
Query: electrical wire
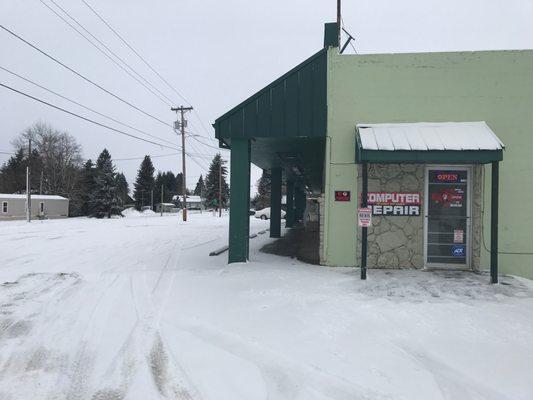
85	118
83	106
82	76
150	87
119	36
142	158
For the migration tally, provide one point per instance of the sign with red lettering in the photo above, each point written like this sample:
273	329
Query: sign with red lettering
342	195
364	217
394	203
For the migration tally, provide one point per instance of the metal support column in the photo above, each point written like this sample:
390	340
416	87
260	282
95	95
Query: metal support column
275	203
299	200
289	217
364	230
494	222
239	219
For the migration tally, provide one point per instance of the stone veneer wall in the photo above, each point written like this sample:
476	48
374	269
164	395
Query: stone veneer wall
321	209
398	242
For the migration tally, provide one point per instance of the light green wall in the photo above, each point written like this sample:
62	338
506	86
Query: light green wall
491	86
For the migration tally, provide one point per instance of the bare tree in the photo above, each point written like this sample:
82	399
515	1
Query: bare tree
60	155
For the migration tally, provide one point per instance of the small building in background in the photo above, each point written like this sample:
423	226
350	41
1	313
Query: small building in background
193	202
167	208
13	206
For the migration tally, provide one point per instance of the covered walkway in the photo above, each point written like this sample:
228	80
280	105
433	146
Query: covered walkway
281	128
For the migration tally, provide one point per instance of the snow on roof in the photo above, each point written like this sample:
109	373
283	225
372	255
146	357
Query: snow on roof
33	196
169	204
193	199
425	136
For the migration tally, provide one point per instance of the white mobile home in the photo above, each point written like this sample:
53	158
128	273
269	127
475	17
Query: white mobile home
193	202
13	206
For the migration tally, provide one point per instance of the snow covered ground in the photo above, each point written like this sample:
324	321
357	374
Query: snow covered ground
134	308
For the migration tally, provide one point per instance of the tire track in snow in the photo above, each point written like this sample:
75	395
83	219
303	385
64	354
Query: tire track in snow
82	367
283	376
144	342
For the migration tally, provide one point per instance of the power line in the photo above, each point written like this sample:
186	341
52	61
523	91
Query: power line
121	38
142	158
83	77
85	118
118	35
150	86
83	106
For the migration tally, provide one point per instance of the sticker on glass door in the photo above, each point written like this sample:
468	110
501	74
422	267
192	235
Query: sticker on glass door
447	216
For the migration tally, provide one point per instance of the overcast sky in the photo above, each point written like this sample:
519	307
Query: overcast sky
215	53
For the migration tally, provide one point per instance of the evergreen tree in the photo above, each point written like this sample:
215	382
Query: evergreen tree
200	187
262	199
103	199
87	186
179	184
122	189
13	172
212	183
144	184
169	182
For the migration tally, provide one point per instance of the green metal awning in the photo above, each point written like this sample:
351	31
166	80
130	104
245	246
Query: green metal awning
428	143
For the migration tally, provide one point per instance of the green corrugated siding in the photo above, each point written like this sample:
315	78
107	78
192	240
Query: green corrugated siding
292	106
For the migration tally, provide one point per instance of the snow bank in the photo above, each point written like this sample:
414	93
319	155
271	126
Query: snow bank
134	308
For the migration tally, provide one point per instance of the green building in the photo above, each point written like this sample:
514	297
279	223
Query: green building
433	140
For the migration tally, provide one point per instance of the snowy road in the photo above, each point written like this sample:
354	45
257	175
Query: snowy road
134	308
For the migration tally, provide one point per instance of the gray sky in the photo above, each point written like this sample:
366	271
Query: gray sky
216	53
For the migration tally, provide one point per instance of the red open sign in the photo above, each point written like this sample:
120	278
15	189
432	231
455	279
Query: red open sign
342	195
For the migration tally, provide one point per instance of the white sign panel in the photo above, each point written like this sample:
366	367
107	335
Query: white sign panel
364	217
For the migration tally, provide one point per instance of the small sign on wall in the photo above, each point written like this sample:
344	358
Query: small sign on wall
364	217
342	195
458	236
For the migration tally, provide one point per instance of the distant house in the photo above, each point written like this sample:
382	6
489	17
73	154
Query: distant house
167	208
13	206
193	202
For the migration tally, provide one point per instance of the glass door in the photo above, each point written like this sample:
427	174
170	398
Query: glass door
447	216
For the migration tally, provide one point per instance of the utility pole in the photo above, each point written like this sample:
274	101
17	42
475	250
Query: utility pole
41	182
152	200
28	184
161	203
182	125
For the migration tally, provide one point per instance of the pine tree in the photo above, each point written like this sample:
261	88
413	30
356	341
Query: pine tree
179	184
212	183
199	189
87	186
122	189
168	181
144	184
103	200
262	199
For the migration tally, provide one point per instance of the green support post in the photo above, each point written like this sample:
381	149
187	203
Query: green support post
289	217
299	199
239	218
364	230
275	203
494	222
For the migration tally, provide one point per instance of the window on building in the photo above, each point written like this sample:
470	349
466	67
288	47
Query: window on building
4	207
41	207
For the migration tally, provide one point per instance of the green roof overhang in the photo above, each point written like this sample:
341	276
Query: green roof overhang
294	105
429	156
